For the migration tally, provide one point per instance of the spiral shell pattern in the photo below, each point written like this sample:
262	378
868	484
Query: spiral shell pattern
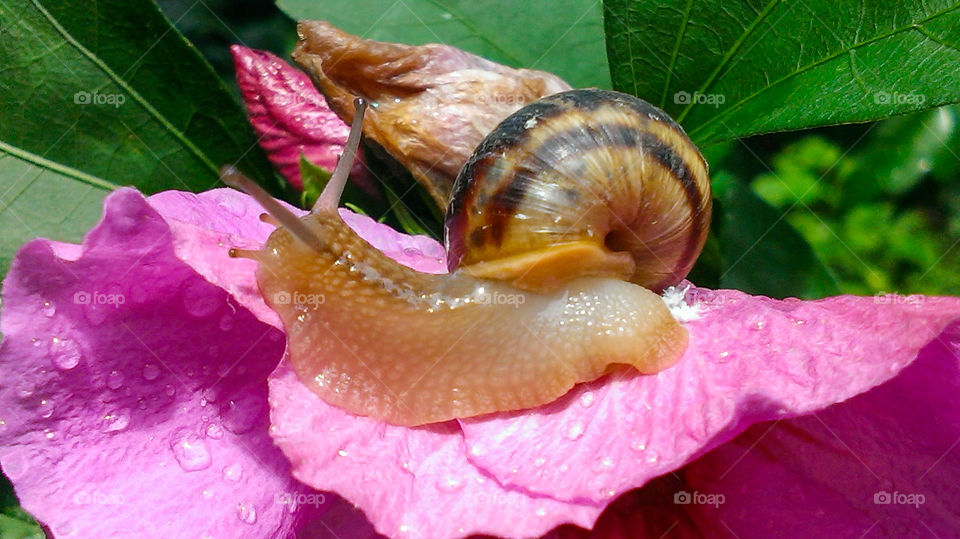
583	167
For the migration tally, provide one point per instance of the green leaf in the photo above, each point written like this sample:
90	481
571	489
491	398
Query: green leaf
761	251
111	90
314	179
564	37
727	69
15	523
899	152
37	200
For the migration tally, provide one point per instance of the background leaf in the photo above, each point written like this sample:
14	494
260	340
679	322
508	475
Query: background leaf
762	253
100	95
730	69
564	37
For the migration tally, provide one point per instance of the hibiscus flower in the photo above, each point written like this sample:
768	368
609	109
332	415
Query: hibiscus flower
146	393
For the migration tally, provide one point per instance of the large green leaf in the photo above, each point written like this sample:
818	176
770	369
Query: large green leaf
561	36
110	90
727	69
98	95
40	201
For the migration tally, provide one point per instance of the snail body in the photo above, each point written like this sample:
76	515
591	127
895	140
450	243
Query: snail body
508	329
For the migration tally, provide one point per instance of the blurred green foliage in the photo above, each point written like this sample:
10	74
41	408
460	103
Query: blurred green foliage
879	205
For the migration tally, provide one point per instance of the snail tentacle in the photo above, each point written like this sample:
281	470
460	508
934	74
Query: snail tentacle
520	328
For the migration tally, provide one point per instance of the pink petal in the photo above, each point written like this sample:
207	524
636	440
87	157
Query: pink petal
751	359
133	401
290	116
822	474
409	482
883	463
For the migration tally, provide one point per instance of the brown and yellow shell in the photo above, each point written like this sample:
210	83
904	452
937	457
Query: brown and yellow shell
581	183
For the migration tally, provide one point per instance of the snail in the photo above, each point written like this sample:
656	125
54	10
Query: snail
562	227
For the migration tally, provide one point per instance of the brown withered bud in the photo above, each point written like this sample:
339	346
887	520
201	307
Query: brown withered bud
431	105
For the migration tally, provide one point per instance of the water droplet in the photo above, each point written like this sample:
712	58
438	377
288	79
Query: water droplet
150	371
190	451
604	464
45	408
450	483
65	353
575	430
586	400
637	445
203	402
214	431
169	390
226	322
115	380
116	421
342	452
233	472
247	513
96	313
206	494
48	309
541	512
15	465
653	458
240	415
49	434
200	300
540	461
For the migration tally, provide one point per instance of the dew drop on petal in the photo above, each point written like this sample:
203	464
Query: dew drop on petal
65	353
199	300
541	512
48	309
214	431
239	415
45	408
539	462
190	451
169	390
226	322
116	420
586	400
115	380
233	472
450	483
575	431
150	372
96	313
247	513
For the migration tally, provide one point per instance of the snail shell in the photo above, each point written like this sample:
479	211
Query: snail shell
494	335
584	182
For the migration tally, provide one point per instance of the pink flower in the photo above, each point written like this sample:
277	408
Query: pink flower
145	388
145	393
